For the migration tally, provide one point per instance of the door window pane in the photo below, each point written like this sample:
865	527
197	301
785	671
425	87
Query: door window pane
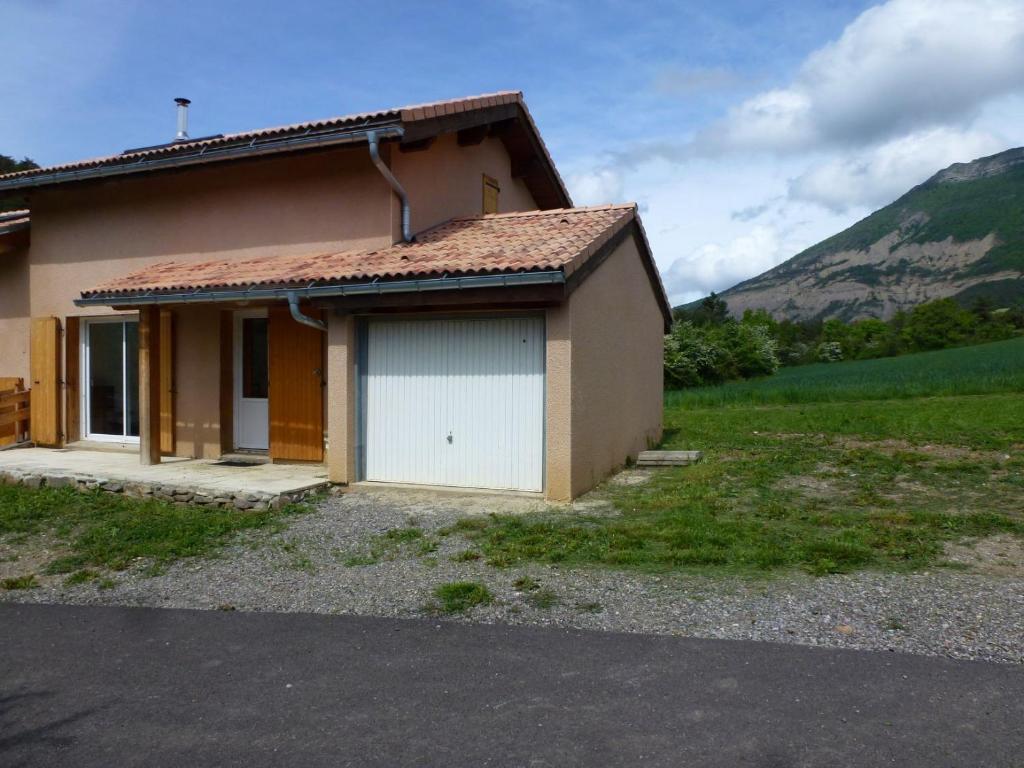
131	374
106	378
254	357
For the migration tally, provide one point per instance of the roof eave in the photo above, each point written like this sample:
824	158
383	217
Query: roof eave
331	290
205	154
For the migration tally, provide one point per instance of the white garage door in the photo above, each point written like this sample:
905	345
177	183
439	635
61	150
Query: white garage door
456	402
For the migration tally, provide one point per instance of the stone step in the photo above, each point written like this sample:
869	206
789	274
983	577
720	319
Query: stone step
668	458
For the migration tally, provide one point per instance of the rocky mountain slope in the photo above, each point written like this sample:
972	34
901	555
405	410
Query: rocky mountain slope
959	234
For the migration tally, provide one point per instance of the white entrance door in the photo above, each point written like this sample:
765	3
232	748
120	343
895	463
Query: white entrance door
456	402
251	417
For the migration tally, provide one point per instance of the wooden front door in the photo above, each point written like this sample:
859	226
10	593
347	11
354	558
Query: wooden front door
44	364
296	389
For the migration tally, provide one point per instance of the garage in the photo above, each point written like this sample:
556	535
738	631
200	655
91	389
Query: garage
455	402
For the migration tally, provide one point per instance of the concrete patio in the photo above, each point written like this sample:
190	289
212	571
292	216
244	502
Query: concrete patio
198	481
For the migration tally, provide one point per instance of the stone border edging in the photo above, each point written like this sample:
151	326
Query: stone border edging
256	501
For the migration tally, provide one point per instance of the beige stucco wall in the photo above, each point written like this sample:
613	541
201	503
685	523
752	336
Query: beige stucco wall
604	385
341	398
197	382
14	314
446	180
83	235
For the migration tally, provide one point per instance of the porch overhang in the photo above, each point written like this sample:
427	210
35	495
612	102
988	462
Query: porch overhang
314	292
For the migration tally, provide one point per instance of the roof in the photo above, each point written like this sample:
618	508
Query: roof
508	243
417	122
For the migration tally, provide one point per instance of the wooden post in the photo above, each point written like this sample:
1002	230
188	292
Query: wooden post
149	385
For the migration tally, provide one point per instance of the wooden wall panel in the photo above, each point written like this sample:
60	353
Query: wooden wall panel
167	382
72	379
44	364
296	388
149	385
13	410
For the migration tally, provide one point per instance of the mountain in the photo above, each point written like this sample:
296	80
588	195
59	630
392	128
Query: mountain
959	234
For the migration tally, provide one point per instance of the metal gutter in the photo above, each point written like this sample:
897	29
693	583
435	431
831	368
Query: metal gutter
298	317
375	287
205	154
6	229
390	178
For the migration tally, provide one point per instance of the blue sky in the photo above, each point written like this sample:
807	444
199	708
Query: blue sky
745	130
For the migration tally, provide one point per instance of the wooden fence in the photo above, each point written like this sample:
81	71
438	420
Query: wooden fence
14	411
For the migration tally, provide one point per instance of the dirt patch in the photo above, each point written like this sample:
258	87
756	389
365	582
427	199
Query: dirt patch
1001	555
632	477
935	451
31	555
812	486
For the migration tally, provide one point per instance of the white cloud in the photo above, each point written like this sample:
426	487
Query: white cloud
597	187
714	266
899	67
878	175
908	88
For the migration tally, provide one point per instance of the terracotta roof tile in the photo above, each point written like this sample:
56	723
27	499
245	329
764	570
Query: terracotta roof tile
411	113
558	239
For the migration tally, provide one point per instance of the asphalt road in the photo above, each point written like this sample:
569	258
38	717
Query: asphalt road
89	686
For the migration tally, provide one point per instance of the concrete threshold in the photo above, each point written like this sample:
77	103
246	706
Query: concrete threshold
453	490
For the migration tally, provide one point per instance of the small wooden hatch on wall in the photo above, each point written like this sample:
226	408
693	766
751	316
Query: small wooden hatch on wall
491	192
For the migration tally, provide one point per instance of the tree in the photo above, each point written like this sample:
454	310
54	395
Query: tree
711	310
870	338
937	324
10	165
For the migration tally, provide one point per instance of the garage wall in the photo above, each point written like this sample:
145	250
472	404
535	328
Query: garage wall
340	396
611	368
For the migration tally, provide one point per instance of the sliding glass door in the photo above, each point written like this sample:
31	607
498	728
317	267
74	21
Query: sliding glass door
110	385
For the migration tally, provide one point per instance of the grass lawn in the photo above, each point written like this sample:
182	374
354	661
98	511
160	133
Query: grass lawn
825	468
108	531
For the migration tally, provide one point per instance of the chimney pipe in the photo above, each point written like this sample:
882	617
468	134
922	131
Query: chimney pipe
182	134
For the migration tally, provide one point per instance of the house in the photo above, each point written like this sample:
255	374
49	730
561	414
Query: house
407	295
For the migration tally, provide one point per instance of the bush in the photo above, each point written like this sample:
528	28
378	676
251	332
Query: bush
706	346
830	352
700	355
691	358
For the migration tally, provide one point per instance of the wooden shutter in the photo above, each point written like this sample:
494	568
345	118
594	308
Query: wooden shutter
296	388
44	364
72	379
167	382
491	192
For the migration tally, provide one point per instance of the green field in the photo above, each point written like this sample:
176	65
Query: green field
824	468
981	369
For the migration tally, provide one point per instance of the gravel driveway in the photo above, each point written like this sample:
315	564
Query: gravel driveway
338	559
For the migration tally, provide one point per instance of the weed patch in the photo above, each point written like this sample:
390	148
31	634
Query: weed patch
459	596
542	598
19	582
